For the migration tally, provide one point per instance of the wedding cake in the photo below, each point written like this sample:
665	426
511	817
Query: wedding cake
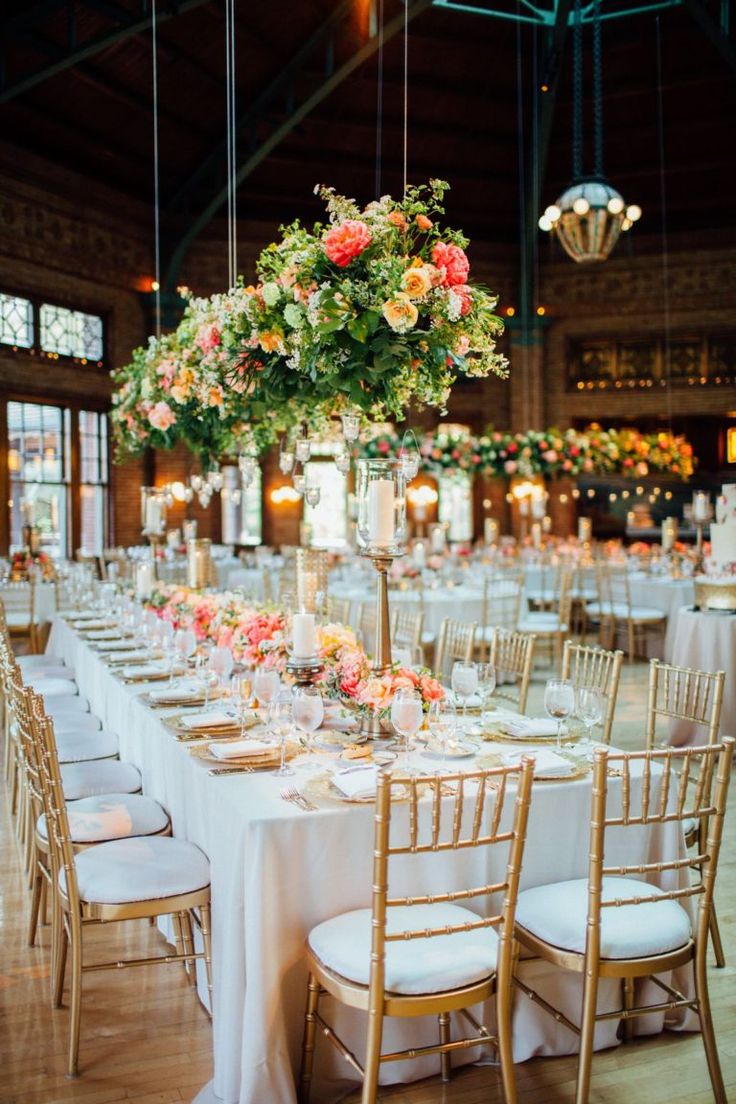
722	559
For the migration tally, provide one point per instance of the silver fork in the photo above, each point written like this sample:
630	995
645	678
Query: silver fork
296	798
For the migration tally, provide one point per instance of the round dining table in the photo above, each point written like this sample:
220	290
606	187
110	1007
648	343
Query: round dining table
706	641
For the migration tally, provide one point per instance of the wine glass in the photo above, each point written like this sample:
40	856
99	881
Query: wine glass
204	674
266	684
442	721
279	724
165	637
406	715
464	682
185	645
241	690
559	702
309	709
486	686
589	708
221	662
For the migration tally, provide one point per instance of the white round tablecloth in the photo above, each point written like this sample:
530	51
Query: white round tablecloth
461	602
707	642
665	594
45	603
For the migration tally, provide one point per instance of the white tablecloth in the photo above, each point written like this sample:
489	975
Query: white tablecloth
664	594
45	603
707	642
277	872
465	603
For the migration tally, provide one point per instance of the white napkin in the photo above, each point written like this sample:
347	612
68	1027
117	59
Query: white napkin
119	646
473	700
176	693
240	749
548	763
209	720
143	670
525	728
356	781
104	634
129	656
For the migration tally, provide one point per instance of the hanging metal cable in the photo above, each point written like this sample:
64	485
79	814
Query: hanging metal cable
665	243
577	92
406	90
379	103
232	258
597	92
156	183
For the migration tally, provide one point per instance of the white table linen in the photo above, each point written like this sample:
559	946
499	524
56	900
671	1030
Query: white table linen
666	594
277	872
465	603
707	642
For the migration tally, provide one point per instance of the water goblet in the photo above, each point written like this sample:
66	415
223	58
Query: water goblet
309	710
559	702
185	644
279	724
486	686
464	682
221	662
266	684
589	708
442	721
406	715
165	638
241	690
205	676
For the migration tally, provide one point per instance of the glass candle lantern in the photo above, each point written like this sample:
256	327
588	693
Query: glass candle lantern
381	493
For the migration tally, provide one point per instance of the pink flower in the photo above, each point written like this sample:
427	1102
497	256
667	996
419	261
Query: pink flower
452	259
161	416
208	338
431	689
510	467
567	465
345	242
550	456
465	295
462	346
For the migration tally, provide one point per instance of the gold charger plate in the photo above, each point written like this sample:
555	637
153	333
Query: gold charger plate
128	680
183	703
496	736
177	723
320	787
579	768
270	758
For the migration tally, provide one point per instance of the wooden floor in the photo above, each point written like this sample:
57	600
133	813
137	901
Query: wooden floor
145	1037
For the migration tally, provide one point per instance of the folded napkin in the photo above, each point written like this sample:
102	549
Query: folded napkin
526	728
98	623
548	764
128	656
143	670
176	693
356	781
241	749
104	634
210	720
85	616
120	645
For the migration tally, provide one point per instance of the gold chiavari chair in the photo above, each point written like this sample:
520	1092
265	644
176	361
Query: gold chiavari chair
407	622
694	698
19	606
455	641
551	626
367	626
584	590
338	609
512	655
112	882
502	594
614	923
425	954
615	609
588	667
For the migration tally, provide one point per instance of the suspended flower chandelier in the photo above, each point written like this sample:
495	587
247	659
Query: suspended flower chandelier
590	214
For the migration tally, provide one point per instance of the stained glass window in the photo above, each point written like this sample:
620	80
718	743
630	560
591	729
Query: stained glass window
16	321
93	479
71	333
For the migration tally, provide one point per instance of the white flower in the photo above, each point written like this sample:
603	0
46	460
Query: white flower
271	293
146	389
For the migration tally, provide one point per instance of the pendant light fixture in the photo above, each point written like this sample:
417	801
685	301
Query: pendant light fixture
590	214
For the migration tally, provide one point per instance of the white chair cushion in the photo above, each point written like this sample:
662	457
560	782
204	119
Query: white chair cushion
31	678
74	721
99	776
689	826
428	638
140	869
112	816
557	913
34	663
79	747
65	705
621	611
55	687
541	623
413	966
17	619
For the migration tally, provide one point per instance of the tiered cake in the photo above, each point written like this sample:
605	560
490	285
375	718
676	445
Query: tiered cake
717	589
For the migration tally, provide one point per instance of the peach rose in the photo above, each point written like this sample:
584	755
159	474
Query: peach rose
161	416
345	242
396	218
416	282
423	222
400	312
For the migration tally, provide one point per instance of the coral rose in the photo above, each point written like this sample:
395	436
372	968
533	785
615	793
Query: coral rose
161	416
416	282
452	259
345	242
423	222
465	295
396	218
400	312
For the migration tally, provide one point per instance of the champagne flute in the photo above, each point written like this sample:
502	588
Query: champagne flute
442	720
266	684
309	710
205	676
589	708
279	725
406	715
559	702
221	661
464	682
185	643
241	689
486	686
165	637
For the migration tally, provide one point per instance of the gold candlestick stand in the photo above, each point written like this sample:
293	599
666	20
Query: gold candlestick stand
382	561
305	672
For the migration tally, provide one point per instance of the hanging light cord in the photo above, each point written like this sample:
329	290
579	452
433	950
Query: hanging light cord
156	186
232	257
597	91
665	245
577	93
379	103
406	89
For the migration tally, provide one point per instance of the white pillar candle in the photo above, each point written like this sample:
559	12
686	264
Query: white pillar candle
144	579
669	533
381	512
189	529
154	516
419	555
524	507
585	529
438	539
490	531
701	506
539	506
304	643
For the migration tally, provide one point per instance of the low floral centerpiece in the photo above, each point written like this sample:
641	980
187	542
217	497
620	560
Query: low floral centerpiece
24	562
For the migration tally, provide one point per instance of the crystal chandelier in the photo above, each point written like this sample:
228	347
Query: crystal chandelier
590	214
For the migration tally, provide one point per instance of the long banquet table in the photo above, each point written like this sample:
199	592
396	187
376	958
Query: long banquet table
276	872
